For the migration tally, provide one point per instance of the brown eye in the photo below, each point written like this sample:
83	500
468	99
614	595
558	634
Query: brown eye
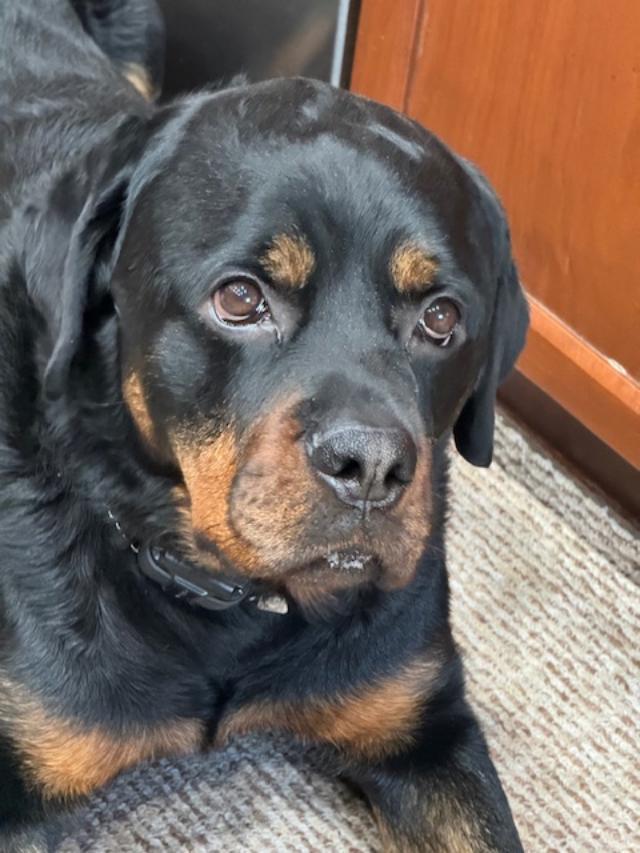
440	320
239	302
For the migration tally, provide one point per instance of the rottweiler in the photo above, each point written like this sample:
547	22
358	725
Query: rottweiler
237	332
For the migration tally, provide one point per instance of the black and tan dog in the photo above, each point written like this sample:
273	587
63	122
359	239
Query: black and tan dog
236	334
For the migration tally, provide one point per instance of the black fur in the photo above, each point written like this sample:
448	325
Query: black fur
115	219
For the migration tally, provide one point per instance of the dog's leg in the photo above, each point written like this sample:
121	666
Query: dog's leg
411	743
442	794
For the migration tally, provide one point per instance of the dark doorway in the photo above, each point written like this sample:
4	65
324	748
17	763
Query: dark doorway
211	40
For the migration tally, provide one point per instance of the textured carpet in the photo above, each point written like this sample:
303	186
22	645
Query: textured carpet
546	607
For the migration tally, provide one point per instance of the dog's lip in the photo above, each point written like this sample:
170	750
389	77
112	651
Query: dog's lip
345	564
350	560
345	560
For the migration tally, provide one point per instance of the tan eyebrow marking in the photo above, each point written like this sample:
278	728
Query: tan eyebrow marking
412	268
289	260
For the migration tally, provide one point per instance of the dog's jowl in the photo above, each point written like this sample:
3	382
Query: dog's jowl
238	332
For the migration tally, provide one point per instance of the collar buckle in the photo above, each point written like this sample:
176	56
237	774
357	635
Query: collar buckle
189	583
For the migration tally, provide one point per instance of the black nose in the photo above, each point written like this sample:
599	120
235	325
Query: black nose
364	463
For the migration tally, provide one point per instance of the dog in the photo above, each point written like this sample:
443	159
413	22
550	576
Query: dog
238	331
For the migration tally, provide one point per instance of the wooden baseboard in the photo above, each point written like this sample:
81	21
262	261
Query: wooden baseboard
592	388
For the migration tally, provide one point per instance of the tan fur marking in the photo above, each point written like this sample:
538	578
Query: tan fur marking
373	721
133	394
65	759
139	78
412	268
412	514
289	260
275	465
209	466
263	532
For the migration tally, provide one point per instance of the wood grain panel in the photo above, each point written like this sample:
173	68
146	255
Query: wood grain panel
385	47
545	96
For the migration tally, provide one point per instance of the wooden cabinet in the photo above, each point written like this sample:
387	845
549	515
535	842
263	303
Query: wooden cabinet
545	96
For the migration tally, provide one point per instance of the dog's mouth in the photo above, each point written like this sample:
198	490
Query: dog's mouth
354	562
350	565
337	571
311	574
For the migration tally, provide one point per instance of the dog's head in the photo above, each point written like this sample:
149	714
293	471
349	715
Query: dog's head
311	290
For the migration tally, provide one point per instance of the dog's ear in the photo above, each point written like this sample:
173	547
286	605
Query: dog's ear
68	242
473	430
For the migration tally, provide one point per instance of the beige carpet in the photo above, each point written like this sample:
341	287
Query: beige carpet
546	606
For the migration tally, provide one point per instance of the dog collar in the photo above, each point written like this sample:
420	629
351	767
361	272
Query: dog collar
186	581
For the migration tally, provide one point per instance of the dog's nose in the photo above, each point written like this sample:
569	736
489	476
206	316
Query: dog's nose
364	464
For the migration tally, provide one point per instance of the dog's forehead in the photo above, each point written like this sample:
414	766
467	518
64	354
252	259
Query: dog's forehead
289	157
292	138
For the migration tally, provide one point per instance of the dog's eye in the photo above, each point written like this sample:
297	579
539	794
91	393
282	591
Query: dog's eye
239	302
439	321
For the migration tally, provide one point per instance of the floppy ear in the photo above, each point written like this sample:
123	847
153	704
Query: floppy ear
473	430
68	241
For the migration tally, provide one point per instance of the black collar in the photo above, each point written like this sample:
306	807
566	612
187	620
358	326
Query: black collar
193	584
